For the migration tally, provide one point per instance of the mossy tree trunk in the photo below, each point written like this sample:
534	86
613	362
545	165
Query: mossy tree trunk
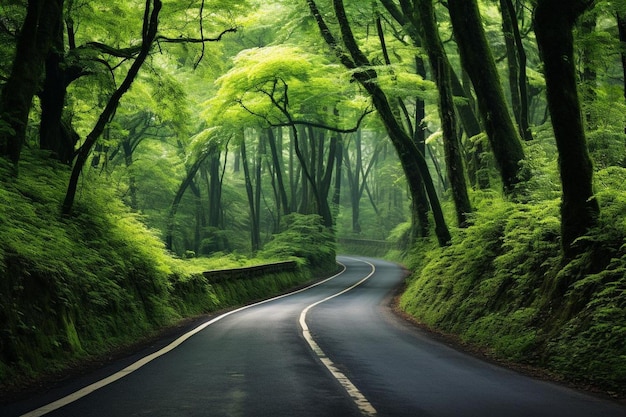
478	61
441	69
422	207
621	25
554	22
34	42
56	134
516	57
415	125
407	17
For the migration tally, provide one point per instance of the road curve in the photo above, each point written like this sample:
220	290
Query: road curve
334	349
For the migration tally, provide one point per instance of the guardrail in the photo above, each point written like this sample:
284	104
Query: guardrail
383	244
221	275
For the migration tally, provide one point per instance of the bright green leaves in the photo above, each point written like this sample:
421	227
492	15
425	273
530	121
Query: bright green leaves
270	85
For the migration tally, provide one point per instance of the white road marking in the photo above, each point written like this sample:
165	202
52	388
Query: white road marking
361	402
143	361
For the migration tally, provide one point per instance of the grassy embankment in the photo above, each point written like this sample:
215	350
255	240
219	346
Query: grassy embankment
503	285
77	287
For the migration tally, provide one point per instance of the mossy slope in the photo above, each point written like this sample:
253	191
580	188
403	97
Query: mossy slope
503	285
75	287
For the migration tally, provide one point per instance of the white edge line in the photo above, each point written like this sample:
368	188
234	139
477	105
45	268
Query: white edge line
359	399
61	402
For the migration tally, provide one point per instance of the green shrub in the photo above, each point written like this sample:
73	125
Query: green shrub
305	239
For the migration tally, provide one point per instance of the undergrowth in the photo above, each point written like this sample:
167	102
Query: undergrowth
79	286
503	285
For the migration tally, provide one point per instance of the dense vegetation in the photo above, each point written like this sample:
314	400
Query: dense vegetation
77	287
142	143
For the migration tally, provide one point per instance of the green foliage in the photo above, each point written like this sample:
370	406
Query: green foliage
502	284
79	286
306	239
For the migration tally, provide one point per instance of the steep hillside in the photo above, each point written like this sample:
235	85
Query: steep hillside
75	287
503	285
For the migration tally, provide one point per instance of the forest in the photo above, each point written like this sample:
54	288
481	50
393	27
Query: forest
480	143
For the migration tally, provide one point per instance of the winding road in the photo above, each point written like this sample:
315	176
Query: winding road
333	349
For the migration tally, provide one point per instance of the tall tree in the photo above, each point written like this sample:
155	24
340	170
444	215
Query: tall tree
414	122
406	14
442	70
516	57
413	162
554	22
253	191
621	25
149	32
478	61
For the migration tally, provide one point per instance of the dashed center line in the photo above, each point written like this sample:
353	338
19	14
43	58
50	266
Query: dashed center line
359	399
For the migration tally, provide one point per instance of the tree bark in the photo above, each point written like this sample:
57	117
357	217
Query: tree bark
478	61
56	134
420	206
554	22
516	56
278	170
34	43
442	70
621	25
191	173
255	228
420	200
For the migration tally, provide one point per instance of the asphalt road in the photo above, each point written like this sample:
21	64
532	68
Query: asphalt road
331	350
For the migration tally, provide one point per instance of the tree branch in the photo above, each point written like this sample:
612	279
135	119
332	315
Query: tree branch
166	39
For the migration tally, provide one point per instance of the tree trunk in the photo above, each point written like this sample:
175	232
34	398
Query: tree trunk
353	173
255	229
416	128
478	61
413	163
441	70
336	200
56	134
33	45
516	56
420	200
171	215
216	173
621	25
278	170
579	208
150	25
200	223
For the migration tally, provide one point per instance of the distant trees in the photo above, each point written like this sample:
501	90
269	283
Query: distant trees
412	160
